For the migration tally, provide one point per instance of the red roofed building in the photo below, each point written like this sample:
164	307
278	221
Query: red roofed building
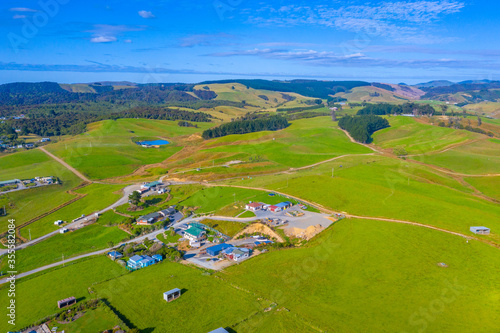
274	208
253	206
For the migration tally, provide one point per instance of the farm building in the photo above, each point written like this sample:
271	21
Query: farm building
253	206
168	211
236	254
63	230
284	205
194	233
66	302
217	249
219	330
115	255
480	230
171	295
151	185
136	262
157	257
58	222
149	218
45	140
9	182
274	208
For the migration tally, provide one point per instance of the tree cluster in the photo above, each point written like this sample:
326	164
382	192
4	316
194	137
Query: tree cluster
362	127
407	108
269	123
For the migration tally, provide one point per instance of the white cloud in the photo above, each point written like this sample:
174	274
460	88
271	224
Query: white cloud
205	40
103	39
146	14
403	21
127	41
23	9
17	17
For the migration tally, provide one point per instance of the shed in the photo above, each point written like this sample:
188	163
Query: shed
115	255
219	330
58	222
171	295
63	230
157	257
66	302
274	208
217	249
480	230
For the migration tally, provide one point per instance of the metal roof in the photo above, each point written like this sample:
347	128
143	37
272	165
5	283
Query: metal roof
218	247
195	231
13	181
172	291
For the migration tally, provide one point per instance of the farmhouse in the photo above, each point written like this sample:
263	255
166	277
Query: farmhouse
136	262
149	218
194	233
168	211
253	206
171	295
480	230
217	249
236	254
45	140
66	302
115	255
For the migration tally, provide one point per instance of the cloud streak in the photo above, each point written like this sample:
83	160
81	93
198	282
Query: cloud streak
146	14
107	33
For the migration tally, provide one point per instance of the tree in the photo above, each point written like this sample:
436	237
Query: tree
479	122
400	151
135	198
334	116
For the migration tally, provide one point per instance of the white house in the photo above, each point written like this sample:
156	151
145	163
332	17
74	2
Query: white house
253	206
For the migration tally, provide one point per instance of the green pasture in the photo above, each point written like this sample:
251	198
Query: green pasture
489	186
36	297
374	276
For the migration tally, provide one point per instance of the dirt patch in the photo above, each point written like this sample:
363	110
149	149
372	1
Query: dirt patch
261	229
306	233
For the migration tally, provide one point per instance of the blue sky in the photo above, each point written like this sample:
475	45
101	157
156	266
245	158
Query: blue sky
188	41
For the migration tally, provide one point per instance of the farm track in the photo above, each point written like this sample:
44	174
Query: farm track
66	165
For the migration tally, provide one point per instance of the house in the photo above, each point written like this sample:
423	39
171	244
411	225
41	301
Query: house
115	255
217	249
194	233
58	222
66	302
149	218
157	257
274	208
63	230
45	140
171	295
236	254
195	244
136	262
168	212
480	230
29	145
150	185
253	206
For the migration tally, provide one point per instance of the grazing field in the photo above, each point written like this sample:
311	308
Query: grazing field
98	197
305	142
277	320
27	204
418	138
97	320
88	239
372	95
489	186
107	150
228	228
206	303
384	187
481	157
37	297
373	276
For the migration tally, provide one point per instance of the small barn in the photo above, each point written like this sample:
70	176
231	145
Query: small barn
253	206
219	330
66	302
274	208
171	295
480	230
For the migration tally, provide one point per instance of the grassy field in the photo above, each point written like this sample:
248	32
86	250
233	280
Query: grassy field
367	94
97	320
99	196
390	188
206	303
305	142
372	276
37	297
26	204
107	149
228	228
481	157
489	186
88	239
418	138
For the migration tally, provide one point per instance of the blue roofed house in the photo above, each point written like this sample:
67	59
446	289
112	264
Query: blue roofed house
284	205
136	262
217	249
157	257
115	255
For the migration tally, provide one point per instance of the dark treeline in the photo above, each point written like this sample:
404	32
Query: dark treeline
300	108
208	104
247	125
432	92
71	123
383	86
407	108
52	93
362	127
